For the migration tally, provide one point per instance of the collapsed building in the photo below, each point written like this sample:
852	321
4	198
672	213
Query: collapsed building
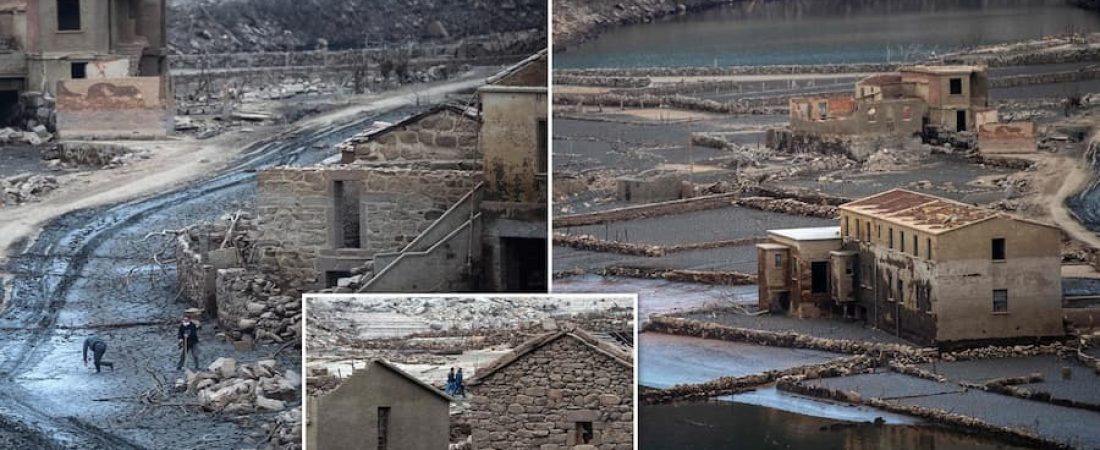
929	100
100	63
567	389
930	270
383	406
451	199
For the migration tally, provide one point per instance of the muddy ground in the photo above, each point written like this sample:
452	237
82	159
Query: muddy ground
108	271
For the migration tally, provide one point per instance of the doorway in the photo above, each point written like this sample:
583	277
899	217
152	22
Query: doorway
523	264
960	120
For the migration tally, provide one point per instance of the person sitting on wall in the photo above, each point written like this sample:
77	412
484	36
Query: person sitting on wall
98	347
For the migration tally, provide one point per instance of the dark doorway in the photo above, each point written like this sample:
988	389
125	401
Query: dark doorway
819	277
784	301
333	277
960	120
346	203
383	427
9	107
523	264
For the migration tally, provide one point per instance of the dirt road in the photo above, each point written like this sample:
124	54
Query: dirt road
87	268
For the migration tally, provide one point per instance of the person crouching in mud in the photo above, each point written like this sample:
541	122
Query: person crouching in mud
98	348
188	342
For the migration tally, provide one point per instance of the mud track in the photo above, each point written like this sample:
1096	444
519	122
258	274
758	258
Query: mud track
49	269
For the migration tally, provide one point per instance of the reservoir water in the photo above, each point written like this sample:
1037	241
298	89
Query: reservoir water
825	31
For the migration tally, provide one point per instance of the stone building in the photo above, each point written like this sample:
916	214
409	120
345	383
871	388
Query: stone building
451	199
562	390
380	407
104	60
945	98
931	270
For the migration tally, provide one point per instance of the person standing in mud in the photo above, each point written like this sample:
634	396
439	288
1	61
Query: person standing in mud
188	342
98	348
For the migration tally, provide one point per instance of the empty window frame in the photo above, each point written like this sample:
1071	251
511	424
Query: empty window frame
78	70
1000	300
956	86
68	15
778	260
383	427
891	235
916	252
543	146
902	233
998	249
928	248
868	231
583	433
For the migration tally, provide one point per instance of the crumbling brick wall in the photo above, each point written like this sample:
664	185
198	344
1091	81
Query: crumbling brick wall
536	401
113	108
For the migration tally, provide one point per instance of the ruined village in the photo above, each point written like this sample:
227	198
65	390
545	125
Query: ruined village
216	160
850	224
549	372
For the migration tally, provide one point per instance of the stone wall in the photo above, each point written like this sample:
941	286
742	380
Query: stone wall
537	401
296	207
443	134
252	307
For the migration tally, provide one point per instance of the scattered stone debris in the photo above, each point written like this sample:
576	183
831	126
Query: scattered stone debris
36	135
789	206
25	188
70	155
228	387
285	432
252	306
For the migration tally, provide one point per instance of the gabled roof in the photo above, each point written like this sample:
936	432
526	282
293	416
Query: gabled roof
508	76
613	351
464	111
924	212
379	364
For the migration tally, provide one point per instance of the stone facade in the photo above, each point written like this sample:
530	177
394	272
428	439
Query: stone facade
443	133
562	391
298	214
930	270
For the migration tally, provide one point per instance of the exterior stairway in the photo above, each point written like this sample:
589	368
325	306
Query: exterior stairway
441	259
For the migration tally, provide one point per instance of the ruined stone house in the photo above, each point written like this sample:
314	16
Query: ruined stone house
451	199
916	98
380	406
931	270
563	390
103	60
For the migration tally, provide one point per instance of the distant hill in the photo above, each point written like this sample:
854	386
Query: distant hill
227	26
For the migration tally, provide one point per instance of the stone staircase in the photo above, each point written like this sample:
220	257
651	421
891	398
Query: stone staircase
441	259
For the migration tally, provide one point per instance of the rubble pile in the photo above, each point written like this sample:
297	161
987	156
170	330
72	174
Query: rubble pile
68	155
25	188
252	306
894	160
789	206
231	387
285	432
36	135
688	276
